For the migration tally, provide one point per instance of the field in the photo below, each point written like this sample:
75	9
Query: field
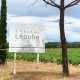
50	67
50	55
26	70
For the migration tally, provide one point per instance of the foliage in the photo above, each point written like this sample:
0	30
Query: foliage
58	45
51	55
3	32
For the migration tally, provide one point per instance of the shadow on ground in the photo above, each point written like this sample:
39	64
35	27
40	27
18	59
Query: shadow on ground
41	76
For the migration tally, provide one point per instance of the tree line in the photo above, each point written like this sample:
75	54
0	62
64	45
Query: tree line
58	45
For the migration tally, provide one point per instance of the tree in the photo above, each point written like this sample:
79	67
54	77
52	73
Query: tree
3	32
62	9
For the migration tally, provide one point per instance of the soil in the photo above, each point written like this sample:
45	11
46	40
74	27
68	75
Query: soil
28	71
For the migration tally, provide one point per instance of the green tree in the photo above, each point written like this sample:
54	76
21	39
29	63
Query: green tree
3	32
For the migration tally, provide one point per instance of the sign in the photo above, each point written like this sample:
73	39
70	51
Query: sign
26	38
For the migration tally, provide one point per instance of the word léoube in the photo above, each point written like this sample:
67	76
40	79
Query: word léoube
25	35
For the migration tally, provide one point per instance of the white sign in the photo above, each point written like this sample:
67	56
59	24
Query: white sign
26	38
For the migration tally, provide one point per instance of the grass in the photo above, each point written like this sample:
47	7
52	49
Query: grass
50	55
26	70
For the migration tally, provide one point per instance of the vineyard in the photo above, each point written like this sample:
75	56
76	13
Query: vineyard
50	55
50	66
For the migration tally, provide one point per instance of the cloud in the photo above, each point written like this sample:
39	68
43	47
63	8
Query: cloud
72	28
24	8
52	32
72	36
0	4
48	15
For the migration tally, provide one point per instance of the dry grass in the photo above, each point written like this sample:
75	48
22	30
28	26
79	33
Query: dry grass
47	71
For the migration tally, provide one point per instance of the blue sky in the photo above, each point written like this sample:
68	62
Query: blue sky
23	10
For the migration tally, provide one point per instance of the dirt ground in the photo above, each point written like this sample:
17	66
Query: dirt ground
47	71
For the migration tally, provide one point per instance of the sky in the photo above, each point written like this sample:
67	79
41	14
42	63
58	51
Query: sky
26	10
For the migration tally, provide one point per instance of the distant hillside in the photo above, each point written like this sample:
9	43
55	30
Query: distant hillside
58	45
